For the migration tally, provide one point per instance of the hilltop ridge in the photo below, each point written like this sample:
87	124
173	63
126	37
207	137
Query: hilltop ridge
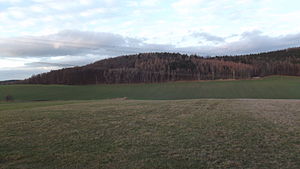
162	67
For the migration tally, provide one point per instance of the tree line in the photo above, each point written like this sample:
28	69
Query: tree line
163	67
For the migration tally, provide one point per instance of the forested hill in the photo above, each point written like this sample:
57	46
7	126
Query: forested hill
162	67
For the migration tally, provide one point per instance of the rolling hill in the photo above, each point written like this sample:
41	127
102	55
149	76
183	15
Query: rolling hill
164	67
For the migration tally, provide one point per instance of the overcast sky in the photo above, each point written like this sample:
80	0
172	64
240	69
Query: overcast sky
42	35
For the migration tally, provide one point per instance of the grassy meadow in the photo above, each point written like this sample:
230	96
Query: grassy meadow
209	124
118	133
274	87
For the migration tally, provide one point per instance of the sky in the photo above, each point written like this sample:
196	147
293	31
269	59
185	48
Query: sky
41	35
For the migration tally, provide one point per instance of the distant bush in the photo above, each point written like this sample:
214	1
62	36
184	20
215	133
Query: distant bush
9	98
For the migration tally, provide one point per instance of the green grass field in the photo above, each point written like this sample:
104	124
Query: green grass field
168	125
275	87
117	133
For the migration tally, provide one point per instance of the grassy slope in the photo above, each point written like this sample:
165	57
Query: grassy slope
151	134
276	87
24	105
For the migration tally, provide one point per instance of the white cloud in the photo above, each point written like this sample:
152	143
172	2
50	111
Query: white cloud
187	6
37	8
95	11
14	13
10	1
11	63
143	3
86	2
149	2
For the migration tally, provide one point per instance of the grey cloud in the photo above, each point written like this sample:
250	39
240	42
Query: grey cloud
255	42
47	64
78	45
208	37
249	42
68	43
64	62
